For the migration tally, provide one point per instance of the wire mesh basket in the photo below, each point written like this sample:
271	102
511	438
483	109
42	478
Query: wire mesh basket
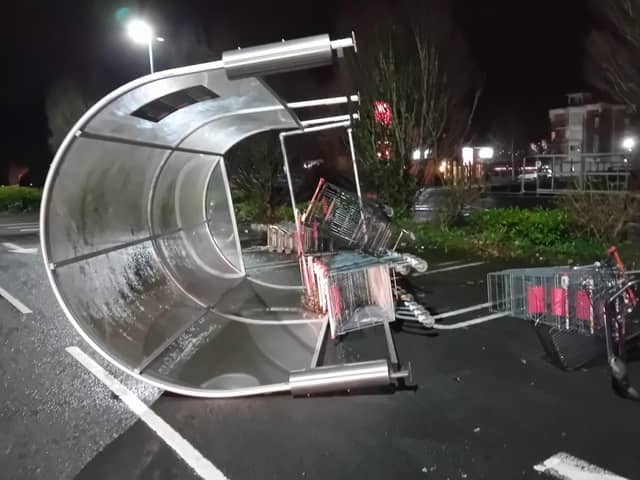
282	238
569	299
336	213
353	289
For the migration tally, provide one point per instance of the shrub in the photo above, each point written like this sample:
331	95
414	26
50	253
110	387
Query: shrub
516	226
249	211
246	211
602	216
19	199
460	195
537	235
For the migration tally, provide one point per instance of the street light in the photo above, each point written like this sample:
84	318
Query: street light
141	32
485	153
629	143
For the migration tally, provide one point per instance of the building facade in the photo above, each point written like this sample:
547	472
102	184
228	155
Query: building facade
585	126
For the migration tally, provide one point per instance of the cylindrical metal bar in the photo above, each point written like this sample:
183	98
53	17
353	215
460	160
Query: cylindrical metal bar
340	377
285	56
320	102
342	43
337	118
151	68
287	173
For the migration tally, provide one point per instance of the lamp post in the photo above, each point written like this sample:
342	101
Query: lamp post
629	143
141	32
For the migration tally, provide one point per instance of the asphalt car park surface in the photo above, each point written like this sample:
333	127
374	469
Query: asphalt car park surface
486	402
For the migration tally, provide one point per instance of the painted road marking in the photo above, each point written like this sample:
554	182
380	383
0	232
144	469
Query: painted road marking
469	323
13	248
455	313
567	467
30	230
23	224
449	269
448	264
18	227
192	457
21	307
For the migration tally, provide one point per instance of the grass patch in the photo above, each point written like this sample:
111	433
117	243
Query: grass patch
535	236
19	199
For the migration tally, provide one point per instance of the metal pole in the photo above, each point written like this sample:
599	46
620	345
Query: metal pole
524	164
285	159
150	45
356	177
355	167
513	161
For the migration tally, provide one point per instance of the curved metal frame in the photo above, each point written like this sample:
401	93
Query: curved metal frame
306	53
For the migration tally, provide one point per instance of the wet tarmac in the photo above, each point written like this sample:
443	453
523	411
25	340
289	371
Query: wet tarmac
487	403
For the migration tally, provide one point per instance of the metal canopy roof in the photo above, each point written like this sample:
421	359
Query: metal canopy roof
139	236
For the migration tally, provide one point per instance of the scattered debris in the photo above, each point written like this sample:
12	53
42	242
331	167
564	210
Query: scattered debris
532	384
564	434
433	468
424	470
458	379
484	348
464	475
524	362
476	430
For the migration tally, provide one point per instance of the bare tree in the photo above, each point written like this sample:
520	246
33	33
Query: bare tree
65	104
613	50
418	63
253	166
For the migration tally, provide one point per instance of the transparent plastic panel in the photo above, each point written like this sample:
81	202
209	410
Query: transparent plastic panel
125	302
178	196
196	265
221	354
171	181
250	298
100	197
117	120
221	218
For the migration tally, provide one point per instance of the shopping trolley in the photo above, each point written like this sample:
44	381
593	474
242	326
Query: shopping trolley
338	214
579	312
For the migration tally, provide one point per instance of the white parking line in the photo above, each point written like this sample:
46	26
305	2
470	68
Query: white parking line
455	313
21	307
29	230
449	269
192	457
567	467
25	224
448	264
13	248
20	227
469	323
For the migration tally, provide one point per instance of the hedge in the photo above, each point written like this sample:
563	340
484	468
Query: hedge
537	235
19	199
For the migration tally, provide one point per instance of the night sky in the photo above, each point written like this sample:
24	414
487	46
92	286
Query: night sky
530	52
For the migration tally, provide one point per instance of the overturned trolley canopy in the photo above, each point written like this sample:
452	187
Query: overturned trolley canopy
139	236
